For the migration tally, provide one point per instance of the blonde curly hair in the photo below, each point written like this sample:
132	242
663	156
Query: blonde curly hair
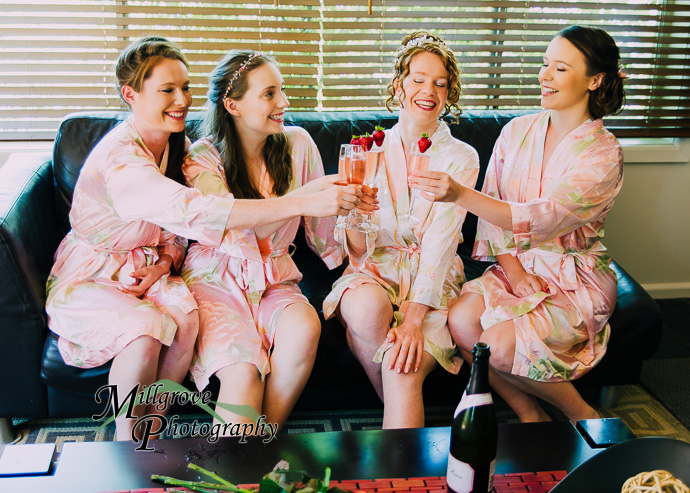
418	42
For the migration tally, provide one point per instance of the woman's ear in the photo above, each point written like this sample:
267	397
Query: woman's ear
128	94
231	107
596	81
396	86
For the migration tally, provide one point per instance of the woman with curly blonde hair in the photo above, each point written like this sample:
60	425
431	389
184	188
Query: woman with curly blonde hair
395	295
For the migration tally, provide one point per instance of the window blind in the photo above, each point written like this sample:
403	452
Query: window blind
58	55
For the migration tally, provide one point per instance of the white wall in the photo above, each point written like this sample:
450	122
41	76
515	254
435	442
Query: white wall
648	229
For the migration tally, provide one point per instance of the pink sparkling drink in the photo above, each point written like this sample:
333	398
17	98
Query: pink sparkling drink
418	162
356	170
374	159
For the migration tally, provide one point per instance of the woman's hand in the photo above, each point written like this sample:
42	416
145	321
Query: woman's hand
368	203
525	284
436	186
334	200
522	282
408	340
408	347
148	276
317	185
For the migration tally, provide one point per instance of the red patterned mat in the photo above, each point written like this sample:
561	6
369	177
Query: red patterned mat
503	483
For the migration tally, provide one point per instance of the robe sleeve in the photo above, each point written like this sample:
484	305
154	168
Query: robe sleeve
138	191
583	194
318	230
440	241
579	196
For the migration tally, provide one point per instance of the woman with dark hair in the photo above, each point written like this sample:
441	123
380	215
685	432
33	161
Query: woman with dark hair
111	294
552	179
258	333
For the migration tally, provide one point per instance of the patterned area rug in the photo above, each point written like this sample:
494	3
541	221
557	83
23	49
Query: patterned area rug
643	414
667	380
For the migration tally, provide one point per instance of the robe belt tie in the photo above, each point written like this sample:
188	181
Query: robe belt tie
413	250
256	276
568	264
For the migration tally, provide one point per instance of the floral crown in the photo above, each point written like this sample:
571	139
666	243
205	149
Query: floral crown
237	73
416	42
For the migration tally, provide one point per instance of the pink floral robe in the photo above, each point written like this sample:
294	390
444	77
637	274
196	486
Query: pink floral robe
415	264
244	285
125	213
558	210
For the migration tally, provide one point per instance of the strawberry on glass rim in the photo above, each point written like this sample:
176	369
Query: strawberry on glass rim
378	135
366	141
424	143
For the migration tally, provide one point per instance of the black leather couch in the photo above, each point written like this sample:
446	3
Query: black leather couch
34	203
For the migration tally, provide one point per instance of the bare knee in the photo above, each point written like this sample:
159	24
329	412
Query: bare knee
144	349
464	320
299	327
407	383
367	311
502	351
187	329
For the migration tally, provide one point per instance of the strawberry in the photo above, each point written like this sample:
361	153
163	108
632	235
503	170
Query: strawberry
424	143
355	140
366	141
378	135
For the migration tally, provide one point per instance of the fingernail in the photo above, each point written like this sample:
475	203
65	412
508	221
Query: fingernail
398	370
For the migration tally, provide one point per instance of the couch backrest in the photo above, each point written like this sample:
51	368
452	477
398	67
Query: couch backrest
80	132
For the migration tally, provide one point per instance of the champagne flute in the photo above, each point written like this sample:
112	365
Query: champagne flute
418	161
355	168
374	159
343	160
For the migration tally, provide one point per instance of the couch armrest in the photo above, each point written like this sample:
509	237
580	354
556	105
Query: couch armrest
636	325
28	239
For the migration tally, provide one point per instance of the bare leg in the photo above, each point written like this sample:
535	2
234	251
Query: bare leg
136	364
174	360
465	327
240	384
367	312
292	359
563	395
403	403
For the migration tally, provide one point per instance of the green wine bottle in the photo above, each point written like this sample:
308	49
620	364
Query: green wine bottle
474	433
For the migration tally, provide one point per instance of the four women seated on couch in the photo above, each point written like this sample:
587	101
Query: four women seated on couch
115	291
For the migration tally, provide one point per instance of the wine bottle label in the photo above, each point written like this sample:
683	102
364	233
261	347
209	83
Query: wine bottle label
460	475
473	400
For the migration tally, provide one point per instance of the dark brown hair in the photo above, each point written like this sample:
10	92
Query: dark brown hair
432	44
220	126
602	57
134	65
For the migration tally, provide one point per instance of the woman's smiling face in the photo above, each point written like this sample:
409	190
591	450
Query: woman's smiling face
425	88
563	77
262	107
161	106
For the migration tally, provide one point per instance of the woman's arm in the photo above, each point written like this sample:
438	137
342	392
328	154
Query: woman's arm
247	213
522	282
440	187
